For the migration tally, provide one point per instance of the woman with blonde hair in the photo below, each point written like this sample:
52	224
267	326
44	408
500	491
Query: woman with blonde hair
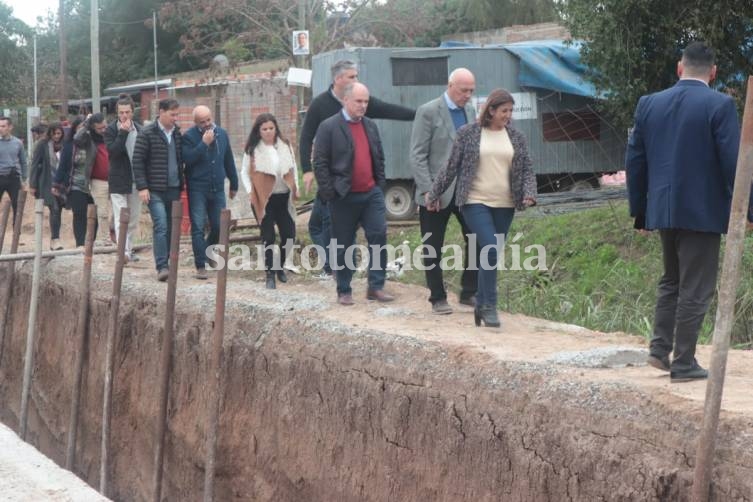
494	178
269	174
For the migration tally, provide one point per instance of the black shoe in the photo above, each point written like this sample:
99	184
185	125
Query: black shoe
694	373
486	314
441	307
469	301
660	363
379	295
271	280
281	276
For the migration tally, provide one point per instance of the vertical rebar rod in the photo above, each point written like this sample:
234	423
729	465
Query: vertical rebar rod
725	312
215	363
167	348
112	328
31	328
81	331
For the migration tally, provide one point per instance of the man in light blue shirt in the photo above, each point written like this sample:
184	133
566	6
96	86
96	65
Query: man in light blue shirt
12	162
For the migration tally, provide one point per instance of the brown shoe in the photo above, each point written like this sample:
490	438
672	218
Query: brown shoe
379	295
345	299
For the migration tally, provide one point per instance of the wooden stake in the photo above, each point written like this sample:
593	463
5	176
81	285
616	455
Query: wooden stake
4	216
81	331
167	348
17	223
215	367
725	312
112	328
31	328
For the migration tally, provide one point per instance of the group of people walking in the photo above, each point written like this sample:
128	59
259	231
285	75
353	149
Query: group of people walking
479	171
122	165
681	160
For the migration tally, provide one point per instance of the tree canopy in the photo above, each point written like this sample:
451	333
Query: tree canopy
15	55
191	32
634	45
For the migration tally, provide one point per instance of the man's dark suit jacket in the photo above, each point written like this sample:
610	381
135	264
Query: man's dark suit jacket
333	156
681	158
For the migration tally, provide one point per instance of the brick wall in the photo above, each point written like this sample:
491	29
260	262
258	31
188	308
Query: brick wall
235	107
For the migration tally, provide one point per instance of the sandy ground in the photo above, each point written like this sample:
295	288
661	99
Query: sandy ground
28	476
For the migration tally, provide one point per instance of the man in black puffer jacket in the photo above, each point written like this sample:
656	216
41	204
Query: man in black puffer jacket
158	171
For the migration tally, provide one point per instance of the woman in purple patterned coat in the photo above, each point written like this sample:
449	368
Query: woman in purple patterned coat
494	178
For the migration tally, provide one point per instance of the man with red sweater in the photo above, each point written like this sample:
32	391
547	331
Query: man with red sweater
349	169
98	184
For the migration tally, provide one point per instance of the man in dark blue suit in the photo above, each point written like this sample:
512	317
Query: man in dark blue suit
680	163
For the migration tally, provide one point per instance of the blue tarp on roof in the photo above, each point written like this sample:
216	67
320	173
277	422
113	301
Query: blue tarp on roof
547	64
550	64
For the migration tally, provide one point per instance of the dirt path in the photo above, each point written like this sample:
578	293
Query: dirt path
521	338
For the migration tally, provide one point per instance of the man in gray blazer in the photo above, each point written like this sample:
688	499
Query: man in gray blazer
431	143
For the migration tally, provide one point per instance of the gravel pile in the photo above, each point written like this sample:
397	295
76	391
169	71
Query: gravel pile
602	357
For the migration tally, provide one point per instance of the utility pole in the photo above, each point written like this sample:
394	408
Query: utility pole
35	71
155	101
63	61
301	64
95	56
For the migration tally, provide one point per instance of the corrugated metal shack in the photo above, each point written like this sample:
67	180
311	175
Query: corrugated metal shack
569	141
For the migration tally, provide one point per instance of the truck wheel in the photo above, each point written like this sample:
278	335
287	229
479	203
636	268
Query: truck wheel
398	200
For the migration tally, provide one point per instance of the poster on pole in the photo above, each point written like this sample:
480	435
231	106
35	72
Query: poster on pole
301	43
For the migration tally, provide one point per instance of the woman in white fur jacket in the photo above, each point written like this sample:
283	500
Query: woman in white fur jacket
269	173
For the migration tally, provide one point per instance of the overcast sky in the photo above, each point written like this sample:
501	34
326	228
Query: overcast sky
28	10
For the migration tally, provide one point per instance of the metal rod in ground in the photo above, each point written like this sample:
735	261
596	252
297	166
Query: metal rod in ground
31	329
81	331
4	216
725	312
215	366
66	252
167	348
112	328
17	223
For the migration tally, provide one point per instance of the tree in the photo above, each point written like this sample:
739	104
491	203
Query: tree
15	58
261	29
633	45
490	14
125	43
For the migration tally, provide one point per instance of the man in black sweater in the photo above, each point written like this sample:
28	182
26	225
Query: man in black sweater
322	107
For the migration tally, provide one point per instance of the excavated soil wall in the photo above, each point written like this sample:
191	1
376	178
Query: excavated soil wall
314	411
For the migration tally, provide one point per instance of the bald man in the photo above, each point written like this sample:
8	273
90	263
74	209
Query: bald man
431	143
209	160
349	169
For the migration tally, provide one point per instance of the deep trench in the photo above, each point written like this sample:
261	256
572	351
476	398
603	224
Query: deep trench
312	412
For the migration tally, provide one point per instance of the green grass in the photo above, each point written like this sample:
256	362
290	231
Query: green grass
601	273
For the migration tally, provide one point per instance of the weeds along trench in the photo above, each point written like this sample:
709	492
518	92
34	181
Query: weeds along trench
378	406
601	274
